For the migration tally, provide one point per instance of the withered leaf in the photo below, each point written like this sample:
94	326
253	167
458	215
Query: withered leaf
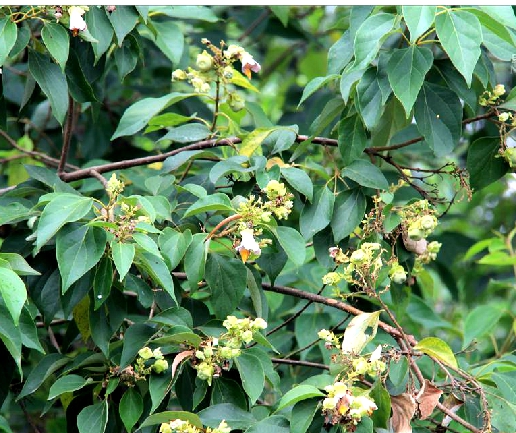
403	409
427	399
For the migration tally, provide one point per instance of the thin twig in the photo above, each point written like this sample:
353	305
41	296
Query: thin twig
254	24
101	178
296	362
67	135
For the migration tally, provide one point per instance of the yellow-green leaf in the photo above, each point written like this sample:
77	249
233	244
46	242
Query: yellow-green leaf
437	348
239	80
252	142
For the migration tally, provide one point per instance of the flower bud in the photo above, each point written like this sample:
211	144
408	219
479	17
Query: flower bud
145	353
503	117
157	353
165	428
428	222
179	74
236	102
259	323
247	336
415	233
357	257
332	278
204	61
228	72
160	365
499	90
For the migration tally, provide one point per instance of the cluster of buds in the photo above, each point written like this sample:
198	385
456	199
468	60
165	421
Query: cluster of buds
372	366
254	213
330	339
397	273
419	220
215	355
181	426
362	266
430	254
143	366
217	66
492	98
509	154
341	406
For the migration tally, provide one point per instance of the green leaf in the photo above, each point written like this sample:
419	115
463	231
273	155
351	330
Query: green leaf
438	113
11	337
252	375
366	174
493	25
48	365
130	408
281	13
299	180
252	142
315	85
123	19
498	258
370	36
202	13
352	139
285	138
156	268
18	264
195	259
438	349
187	133
503	14
57	41
139	114
126	57
52	82
175	316
365	425
484	163
135	338
317	215
79	86
292	242
418	19
13	292
370	96
78	249
101	29
123	256
298	393
234	416
479	322
355	336
406	71
93	419
347	80
340	53
349	211
274	423
457	83
165	417
8	36
210	203
68	383
147	243
62	209
302	415
381	397
170	40
29	332
173	245
227	278
102	282
460	35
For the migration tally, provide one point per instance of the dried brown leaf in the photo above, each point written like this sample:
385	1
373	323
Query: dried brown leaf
179	358
428	399
403	409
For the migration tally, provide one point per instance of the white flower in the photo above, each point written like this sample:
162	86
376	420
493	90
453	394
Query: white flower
249	64
77	23
248	244
377	354
234	51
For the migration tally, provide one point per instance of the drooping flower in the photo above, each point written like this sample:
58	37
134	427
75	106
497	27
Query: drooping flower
77	23
248	245
249	64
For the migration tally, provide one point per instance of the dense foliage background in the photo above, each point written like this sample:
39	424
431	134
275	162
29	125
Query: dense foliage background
159	186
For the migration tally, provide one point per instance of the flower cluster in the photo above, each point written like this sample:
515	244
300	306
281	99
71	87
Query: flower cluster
330	339
215	354
492	98
254	213
146	354
217	67
397	273
181	426
362	265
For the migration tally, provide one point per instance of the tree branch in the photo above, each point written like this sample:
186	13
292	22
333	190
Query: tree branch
296	362
67	135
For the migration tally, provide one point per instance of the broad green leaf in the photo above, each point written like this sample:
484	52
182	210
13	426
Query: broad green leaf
370	36
29	332
315	85
147	243
4	425
438	113
101	29
292	242
299	180
57	41
493	25
202	13
13	292
234	416
418	19
68	383
340	54
281	13
156	268
437	348
187	133
479	322
135	338
123	19
406	71
352	139
52	82
302	415
347	80
274	423
102	282
240	80
381	397
366	174
11	337
506	384
333	109
93	419
195	259
298	393
170	40
139	114
357	15
355	336
123	255
252	142
78	249
159	387
210	203
173	245
484	163
227	391
18	264
62	209
503	14
130	408
226	278
286	137
365	425
370	97
46	366
159	418
8	36
460	35
252	375
457	83
498	258
349	211
175	316
317	215
126	57
392	121
170	119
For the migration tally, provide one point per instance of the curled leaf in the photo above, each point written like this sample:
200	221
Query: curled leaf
427	399
403	409
355	337
180	357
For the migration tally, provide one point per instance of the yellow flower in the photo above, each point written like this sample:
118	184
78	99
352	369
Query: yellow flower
145	353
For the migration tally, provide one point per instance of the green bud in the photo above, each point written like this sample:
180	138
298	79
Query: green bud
204	61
